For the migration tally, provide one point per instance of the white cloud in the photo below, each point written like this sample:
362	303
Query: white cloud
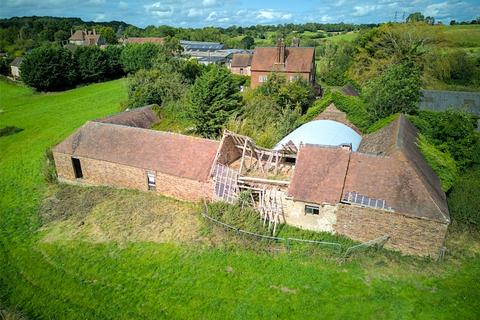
159	10
209	3
96	2
364	10
123	5
434	10
100	17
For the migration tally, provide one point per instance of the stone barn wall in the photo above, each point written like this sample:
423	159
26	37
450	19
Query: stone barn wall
408	234
294	212
97	172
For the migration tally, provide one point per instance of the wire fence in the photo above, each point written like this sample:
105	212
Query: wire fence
343	251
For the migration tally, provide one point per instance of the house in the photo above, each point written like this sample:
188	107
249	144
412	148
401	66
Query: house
291	62
378	185
156	40
241	63
86	38
15	67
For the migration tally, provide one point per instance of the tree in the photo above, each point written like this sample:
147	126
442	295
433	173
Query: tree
247	42
430	20
415	17
298	93
48	68
214	98
154	87
114	62
397	89
108	34
61	35
139	56
92	64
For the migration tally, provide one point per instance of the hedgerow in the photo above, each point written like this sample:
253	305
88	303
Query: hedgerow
463	200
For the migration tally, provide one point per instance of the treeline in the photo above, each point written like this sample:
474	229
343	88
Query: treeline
52	67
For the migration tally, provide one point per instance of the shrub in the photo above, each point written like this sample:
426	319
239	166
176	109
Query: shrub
463	199
382	123
396	90
49	68
441	162
154	87
246	219
114	62
139	56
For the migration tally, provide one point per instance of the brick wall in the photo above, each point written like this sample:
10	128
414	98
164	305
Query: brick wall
256	76
98	172
408	235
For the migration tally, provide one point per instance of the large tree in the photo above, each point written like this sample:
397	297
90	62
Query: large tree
48	68
397	89
214	98
139	56
92	64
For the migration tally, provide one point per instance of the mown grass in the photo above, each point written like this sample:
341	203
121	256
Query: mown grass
70	278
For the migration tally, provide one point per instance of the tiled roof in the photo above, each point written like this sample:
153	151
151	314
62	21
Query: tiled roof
156	40
403	177
298	59
332	113
319	174
143	117
168	153
242	60
78	35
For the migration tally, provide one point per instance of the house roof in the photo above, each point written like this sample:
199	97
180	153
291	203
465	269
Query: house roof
322	132
242	60
168	153
319	174
78	35
157	40
143	117
332	113
16	62
298	59
414	186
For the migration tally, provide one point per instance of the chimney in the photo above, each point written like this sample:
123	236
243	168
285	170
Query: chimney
296	42
280	52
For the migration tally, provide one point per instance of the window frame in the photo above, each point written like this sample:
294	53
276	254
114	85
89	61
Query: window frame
151	181
312	209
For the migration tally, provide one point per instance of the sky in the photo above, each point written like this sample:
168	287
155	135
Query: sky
199	13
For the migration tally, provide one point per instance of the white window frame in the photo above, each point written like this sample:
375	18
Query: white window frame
151	180
262	78
310	209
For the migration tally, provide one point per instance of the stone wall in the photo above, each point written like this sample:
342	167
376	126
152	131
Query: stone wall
245	71
407	234
228	152
96	172
294	212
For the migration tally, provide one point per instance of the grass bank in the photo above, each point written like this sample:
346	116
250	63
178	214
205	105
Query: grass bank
126	276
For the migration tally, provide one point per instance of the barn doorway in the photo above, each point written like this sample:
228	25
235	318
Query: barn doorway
77	168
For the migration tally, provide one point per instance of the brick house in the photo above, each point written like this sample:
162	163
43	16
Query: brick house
86	38
384	189
291	62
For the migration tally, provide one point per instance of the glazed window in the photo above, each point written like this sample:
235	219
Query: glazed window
312	209
151	180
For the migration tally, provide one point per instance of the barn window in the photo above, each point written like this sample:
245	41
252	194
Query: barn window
77	168
309	209
151	180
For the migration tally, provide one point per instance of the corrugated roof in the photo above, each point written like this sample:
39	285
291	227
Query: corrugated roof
298	59
319	174
17	62
201	45
242	60
322	132
173	154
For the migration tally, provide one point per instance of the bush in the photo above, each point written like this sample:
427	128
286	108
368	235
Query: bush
139	56
382	123
453	132
114	62
396	90
154	87
463	199
442	163
49	68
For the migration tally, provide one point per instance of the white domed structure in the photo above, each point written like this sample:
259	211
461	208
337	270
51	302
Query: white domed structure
322	132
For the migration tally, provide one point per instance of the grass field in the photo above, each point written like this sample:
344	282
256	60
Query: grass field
52	269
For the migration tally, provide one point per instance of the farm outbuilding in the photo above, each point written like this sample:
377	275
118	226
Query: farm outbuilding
364	188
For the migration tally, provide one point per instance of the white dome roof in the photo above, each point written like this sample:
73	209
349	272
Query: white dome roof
322	132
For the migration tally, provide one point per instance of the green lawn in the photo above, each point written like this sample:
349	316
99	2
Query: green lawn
68	278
